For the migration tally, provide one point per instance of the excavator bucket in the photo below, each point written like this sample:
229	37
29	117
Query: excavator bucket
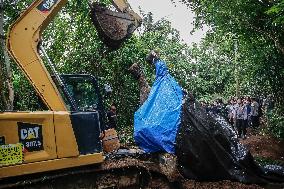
113	27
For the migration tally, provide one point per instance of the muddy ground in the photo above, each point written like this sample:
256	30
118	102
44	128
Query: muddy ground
264	146
217	185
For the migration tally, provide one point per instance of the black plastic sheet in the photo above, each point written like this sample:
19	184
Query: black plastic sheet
208	150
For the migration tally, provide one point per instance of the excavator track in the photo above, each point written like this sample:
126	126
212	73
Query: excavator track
116	172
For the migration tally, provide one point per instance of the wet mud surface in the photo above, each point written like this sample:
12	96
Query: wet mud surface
264	146
189	184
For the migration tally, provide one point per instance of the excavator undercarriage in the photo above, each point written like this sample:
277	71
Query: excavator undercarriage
123	169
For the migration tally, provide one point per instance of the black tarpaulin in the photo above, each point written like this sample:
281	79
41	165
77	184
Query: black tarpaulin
208	150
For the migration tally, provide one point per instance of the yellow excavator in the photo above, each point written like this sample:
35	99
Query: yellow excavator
56	147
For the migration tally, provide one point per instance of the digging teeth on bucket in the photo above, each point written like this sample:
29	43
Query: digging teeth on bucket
113	27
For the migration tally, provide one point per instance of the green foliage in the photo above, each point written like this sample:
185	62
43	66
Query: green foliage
275	124
257	29
25	96
277	12
106	2
208	69
126	136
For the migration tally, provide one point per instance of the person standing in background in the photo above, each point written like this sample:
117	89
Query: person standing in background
239	116
254	114
112	117
246	115
230	109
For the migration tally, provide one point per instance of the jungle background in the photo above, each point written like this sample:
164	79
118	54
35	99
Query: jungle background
241	54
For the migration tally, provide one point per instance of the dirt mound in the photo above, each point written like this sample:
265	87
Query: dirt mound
190	184
264	146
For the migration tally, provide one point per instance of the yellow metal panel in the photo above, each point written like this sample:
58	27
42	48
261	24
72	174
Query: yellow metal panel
65	138
9	129
21	38
22	41
50	165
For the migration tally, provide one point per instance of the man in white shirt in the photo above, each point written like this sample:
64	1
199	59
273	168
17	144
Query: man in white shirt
239	116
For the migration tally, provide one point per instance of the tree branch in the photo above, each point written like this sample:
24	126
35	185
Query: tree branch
274	38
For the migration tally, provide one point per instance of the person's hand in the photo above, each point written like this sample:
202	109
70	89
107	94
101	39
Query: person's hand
153	53
102	135
151	57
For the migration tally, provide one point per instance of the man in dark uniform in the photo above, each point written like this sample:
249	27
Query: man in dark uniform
112	117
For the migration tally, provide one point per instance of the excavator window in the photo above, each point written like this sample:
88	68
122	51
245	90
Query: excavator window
84	91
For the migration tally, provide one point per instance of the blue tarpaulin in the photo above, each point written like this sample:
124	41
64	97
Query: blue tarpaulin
156	122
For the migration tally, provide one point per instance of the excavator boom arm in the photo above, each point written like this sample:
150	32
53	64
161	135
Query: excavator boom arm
22	43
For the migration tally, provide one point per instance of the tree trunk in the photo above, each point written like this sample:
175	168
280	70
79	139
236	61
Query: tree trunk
3	100
6	76
144	87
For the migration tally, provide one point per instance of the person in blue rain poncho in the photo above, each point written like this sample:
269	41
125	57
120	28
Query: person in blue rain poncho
157	121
